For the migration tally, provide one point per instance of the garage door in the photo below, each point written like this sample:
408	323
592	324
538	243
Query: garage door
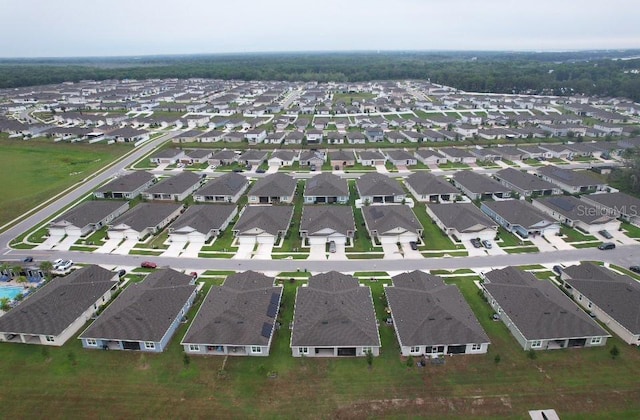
388	239
270	240
317	240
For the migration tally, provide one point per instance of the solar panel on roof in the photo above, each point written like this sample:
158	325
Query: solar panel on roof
275	298
266	330
272	310
561	203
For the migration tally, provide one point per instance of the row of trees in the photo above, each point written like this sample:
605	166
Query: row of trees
489	72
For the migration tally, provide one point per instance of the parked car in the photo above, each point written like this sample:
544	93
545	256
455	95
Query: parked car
606	246
557	269
487	244
605	234
122	272
238	170
413	245
28	259
64	265
57	262
194	274
332	247
260	171
635	268
148	264
476	243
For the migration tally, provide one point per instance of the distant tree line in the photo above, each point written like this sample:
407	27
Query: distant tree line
590	73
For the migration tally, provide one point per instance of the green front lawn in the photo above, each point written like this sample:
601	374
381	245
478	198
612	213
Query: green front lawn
574	235
630	230
453	165
434	238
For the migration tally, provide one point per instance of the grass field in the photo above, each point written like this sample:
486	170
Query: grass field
34	171
70	382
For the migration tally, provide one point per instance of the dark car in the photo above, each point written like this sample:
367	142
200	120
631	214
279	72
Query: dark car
260	171
606	246
122	272
605	234
476	243
28	259
238	170
635	268
148	264
557	269
413	245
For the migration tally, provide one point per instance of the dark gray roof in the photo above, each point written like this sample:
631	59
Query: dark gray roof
519	212
385	218
176	184
370	155
464	217
144	311
274	185
617	295
333	310
400	155
236	312
336	218
456	152
224	155
204	217
88	212
478	183
127	183
569	177
617	201
198	153
59	303
427	153
227	185
537	307
375	184
253	155
341	155
146	215
426	183
271	219
326	185
426	311
283	154
524	180
167	153
575	209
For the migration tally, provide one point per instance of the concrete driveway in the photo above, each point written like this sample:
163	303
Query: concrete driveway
108	246
382	169
244	251
391	252
263	252
50	242
66	243
174	249
273	169
340	254
619	237
125	247
410	253
472	250
192	250
542	244
558	242
317	252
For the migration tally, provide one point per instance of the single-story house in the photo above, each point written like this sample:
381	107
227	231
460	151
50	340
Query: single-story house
127	186
614	299
618	204
60	308
199	156
374	187
273	189
293	137
223	157
462	221
145	315
538	314
427	187
263	224
326	188
253	157
430	157
370	158
314	136
237	318
577	213
283	158
175	188
526	184
479	187
401	158
227	188
323	224
340	159
432	318
558	151
167	156
457	155
201	222
86	218
392	224
533	152
521	218
571	181
144	219
334	317
312	158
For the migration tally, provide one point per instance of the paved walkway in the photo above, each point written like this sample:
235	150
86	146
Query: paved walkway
108	246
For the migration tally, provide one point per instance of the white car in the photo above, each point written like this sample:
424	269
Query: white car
57	262
65	265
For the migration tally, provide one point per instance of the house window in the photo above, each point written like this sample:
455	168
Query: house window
536	344
91	342
256	349
50	338
194	347
415	349
596	340
366	350
149	345
476	347
303	350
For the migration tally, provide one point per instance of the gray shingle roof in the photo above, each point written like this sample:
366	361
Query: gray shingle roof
146	215
426	311
326	185
226	185
426	183
333	310
203	217
253	155
176	184
341	155
464	217
538	308
88	212
455	152
58	304
236	312
370	155
478	183
523	180
575	209
519	212
385	218
144	311
274	185
375	184
335	218
569	177
127	183
617	201
271	219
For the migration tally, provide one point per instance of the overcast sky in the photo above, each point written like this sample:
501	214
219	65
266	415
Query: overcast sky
40	28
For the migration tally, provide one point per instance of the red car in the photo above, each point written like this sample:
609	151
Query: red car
148	264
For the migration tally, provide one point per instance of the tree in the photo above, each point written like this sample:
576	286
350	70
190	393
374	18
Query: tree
17	270
614	352
46	267
497	359
369	355
4	304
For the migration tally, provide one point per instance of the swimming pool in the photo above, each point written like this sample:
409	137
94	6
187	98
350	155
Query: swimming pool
10	291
